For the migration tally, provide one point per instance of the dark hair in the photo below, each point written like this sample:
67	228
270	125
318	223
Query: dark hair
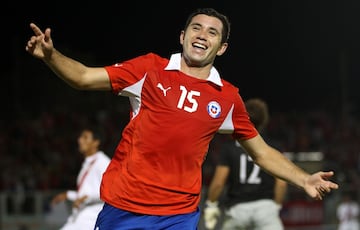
258	112
96	133
213	13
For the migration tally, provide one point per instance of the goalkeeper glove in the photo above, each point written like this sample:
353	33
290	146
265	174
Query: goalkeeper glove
211	214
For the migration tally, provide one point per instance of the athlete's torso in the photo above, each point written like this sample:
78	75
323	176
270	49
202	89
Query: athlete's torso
156	168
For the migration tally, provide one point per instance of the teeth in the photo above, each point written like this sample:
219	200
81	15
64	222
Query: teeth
199	45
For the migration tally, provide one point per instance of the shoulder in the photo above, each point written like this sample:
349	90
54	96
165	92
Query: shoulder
103	156
231	92
229	87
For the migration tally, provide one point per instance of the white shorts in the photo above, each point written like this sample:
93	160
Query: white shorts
256	215
83	219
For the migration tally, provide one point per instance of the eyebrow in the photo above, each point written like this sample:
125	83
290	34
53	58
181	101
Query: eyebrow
211	28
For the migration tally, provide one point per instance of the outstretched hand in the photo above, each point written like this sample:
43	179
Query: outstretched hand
79	201
40	45
318	185
58	198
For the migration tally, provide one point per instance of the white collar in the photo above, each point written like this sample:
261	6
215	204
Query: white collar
89	159
174	64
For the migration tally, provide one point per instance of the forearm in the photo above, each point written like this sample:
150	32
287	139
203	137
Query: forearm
218	182
279	166
214	192
76	74
274	162
69	70
280	190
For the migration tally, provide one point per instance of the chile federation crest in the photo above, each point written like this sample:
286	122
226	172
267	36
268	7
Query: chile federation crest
214	109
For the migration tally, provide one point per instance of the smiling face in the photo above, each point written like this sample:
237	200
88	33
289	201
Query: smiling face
201	41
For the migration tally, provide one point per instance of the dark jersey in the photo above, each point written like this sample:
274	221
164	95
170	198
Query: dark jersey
246	181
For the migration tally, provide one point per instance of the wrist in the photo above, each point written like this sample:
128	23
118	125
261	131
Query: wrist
212	204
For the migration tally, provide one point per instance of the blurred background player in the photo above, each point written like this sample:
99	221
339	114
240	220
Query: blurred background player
86	202
348	213
254	197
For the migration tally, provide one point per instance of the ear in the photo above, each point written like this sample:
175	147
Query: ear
222	49
97	143
182	35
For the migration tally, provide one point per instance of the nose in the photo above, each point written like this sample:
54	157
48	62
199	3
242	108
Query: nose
202	34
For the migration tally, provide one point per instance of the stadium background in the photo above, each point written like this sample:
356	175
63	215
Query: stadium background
301	57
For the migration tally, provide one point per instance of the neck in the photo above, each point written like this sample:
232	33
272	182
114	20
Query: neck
88	154
200	72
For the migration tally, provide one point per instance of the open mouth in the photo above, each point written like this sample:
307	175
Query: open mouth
199	46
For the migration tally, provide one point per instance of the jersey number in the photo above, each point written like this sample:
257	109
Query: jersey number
189	96
253	178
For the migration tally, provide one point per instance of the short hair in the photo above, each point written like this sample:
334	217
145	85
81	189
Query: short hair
225	33
258	112
96	133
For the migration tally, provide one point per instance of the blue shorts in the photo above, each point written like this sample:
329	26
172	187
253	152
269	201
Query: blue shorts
111	218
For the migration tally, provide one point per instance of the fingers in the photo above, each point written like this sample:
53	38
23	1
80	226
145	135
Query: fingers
36	29
39	34
79	201
324	189
328	185
31	42
322	184
332	185
76	204
325	183
320	193
327	175
40	44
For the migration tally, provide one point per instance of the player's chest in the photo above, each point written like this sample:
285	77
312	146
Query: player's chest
190	97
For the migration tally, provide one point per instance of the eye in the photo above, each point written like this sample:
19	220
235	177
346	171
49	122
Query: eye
196	28
213	32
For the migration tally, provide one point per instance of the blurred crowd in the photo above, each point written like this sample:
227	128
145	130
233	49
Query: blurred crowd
40	152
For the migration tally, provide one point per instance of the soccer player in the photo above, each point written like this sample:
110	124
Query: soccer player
348	212
86	198
178	105
254	197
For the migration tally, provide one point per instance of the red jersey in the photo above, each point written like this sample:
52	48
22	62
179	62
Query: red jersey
156	168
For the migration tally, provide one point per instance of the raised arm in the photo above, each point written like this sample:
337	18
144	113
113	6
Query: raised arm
271	160
76	74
